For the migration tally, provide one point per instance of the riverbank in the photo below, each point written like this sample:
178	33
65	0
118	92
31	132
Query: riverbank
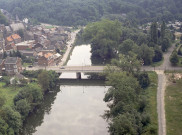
19	99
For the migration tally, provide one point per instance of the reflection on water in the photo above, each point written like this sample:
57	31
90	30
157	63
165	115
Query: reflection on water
76	110
73	110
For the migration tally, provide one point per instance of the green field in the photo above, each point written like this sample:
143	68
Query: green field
173	106
151	93
9	93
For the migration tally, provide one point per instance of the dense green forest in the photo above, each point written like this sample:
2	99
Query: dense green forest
78	12
110	39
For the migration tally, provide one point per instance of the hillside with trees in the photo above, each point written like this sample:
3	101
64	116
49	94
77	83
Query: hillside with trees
78	12
3	19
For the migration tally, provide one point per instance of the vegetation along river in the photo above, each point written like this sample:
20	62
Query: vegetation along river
74	109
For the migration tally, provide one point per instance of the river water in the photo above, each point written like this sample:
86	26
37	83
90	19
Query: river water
74	109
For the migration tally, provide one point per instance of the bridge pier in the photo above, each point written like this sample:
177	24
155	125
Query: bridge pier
78	75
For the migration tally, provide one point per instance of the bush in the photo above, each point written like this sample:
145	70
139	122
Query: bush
144	80
174	58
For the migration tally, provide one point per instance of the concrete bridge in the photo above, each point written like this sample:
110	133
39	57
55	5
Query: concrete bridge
72	69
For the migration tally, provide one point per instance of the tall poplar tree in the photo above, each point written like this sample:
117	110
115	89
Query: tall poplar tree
163	28
154	33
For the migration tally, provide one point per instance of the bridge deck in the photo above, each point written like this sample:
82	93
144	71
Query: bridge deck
73	69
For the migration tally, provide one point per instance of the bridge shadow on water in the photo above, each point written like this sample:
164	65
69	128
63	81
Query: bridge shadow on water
82	82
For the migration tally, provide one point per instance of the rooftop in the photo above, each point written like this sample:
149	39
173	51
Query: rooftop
17	26
11	60
25	43
14	36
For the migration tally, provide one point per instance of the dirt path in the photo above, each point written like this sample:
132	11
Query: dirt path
161	102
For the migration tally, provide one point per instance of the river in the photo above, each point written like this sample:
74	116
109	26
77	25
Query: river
74	109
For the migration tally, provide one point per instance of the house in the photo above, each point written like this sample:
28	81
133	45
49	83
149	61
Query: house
8	30
12	65
10	47
17	26
45	59
2	68
26	45
28	53
15	38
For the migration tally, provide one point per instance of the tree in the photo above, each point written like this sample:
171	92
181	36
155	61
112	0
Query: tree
104	37
163	28
23	107
174	58
154	33
43	79
3	127
128	63
124	91
145	53
126	46
2	100
158	54
143	79
6	79
12	118
32	93
165	44
3	19
125	124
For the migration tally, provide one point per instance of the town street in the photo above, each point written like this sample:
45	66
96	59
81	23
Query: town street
69	47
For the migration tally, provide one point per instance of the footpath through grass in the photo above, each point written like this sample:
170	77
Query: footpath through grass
151	93
9	93
173	106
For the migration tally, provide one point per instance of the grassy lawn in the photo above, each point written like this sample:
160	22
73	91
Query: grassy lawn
173	106
9	93
180	62
49	27
26	64
151	92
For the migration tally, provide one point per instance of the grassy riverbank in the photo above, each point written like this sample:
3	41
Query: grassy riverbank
151	93
8	93
173	101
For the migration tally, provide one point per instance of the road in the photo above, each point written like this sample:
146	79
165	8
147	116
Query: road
69	47
161	102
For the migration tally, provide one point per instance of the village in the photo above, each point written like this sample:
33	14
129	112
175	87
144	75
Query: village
22	45
175	27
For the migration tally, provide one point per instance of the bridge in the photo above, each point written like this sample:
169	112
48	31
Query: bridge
72	69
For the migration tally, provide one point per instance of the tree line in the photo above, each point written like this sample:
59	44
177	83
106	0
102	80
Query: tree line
78	12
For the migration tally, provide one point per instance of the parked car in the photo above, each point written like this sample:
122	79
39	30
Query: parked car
62	67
